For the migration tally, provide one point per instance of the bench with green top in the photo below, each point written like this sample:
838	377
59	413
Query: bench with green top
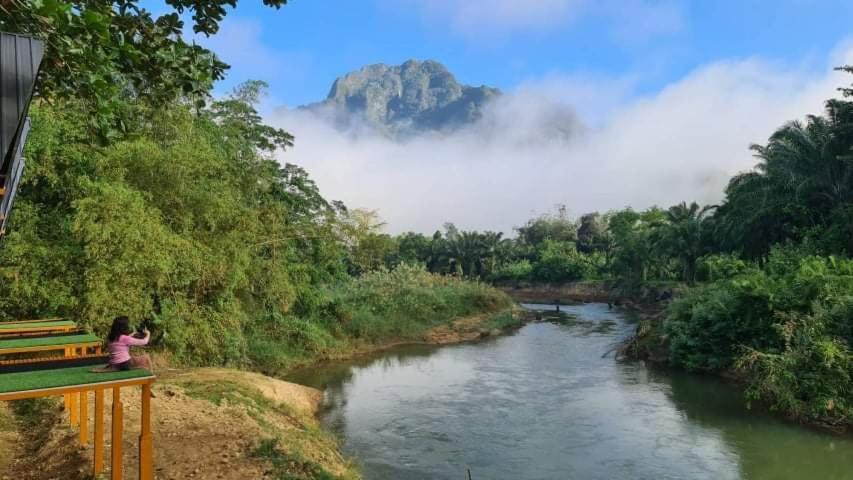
36	320
76	378
34	327
67	343
28	383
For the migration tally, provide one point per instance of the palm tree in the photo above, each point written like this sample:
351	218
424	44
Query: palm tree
804	174
681	236
473	252
631	243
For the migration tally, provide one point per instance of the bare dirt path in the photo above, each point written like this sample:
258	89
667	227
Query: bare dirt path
8	442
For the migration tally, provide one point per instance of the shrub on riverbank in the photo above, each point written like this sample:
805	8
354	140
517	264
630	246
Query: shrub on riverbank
785	328
401	303
375	308
811	379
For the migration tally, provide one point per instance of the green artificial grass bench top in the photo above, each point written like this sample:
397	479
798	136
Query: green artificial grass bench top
28	342
24	322
63	377
36	325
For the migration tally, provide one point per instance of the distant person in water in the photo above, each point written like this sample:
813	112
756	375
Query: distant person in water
120	341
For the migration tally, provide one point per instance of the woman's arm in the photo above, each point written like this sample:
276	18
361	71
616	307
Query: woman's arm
137	342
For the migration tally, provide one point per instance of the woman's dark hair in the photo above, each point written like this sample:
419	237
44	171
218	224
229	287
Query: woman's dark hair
121	326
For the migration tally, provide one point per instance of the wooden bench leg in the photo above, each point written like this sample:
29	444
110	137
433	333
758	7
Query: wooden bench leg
118	424
74	411
99	432
66	398
146	460
84	418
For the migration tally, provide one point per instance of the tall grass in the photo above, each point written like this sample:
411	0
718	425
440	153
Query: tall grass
381	306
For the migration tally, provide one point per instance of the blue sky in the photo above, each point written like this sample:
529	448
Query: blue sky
302	47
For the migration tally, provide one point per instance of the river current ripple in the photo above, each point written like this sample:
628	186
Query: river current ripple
546	402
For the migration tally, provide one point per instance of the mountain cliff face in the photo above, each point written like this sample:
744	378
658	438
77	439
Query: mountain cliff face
411	98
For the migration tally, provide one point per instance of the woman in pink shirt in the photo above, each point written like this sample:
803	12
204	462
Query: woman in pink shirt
119	345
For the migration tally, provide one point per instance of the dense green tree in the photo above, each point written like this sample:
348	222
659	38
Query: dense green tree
802	186
471	253
558	227
238	117
439	261
514	272
559	262
414	249
683	236
634	254
191	224
369	249
592	234
106	52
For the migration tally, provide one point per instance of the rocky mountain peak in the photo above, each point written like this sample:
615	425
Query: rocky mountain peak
414	97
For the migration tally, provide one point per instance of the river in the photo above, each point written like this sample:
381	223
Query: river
545	402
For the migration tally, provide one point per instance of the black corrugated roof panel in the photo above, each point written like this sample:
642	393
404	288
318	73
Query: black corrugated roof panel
20	57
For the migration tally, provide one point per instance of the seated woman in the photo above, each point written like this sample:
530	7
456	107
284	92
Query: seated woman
120	341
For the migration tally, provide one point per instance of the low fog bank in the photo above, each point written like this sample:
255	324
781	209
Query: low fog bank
532	151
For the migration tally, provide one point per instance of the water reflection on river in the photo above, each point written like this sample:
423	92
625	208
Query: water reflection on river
544	403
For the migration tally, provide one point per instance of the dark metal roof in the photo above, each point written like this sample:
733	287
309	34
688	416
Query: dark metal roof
20	58
12	179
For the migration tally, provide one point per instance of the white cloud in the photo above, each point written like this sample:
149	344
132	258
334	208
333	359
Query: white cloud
682	143
628	21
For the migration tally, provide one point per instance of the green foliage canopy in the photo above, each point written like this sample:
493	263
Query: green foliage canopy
108	51
188	223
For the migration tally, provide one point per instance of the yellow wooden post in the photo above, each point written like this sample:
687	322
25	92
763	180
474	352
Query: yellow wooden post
84	418
73	412
66	398
72	400
99	431
146	460
118	423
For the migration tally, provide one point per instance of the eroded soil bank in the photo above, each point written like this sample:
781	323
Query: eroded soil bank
651	296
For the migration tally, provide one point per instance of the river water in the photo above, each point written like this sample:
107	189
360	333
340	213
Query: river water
546	403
